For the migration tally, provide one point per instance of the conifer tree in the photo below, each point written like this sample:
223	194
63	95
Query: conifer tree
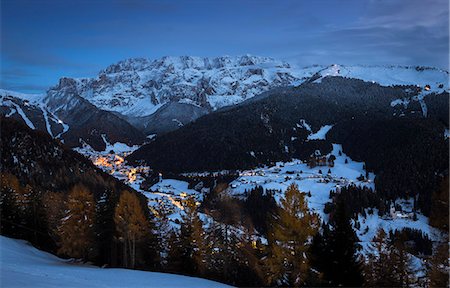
11	213
291	232
402	265
389	265
379	271
131	226
192	236
173	259
165	236
344	266
320	255
76	231
105	228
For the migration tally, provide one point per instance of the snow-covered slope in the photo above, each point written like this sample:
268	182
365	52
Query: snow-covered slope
319	183
30	109
24	266
392	75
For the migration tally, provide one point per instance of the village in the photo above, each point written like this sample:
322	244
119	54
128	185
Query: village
316	177
112	161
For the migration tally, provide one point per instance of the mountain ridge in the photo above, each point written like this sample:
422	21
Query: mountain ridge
156	96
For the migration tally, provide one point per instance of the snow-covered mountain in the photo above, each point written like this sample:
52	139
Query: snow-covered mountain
157	96
139	87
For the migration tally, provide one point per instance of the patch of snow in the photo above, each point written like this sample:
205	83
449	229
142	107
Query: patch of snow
404	102
47	122
304	125
321	133
23	115
179	123
118	147
188	101
33	98
11	112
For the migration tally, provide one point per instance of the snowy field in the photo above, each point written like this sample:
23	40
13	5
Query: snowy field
280	176
22	265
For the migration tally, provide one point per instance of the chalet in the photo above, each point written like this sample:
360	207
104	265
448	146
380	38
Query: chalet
395	214
316	159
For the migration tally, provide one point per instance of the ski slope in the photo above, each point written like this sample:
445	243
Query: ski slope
22	265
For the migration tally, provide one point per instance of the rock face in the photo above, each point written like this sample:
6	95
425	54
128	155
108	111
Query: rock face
138	87
86	121
169	117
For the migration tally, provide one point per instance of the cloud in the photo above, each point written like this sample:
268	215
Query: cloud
396	14
22	53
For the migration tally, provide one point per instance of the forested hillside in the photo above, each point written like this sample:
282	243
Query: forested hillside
406	150
58	200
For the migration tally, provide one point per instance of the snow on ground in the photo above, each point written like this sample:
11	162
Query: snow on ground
22	265
372	222
304	124
280	176
112	161
23	115
172	192
36	102
118	147
392	75
404	102
321	133
33	98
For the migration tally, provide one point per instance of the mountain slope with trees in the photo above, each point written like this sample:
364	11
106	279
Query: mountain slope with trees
395	141
59	201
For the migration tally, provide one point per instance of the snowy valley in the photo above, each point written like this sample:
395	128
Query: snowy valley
234	137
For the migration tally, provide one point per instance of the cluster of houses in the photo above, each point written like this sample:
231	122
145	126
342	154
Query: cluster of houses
116	166
400	214
316	159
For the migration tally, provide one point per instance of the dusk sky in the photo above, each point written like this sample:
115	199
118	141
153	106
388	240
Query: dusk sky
43	40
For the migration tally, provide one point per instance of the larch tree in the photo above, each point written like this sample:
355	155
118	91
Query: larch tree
388	265
132	226
438	270
378	272
76	231
289	240
53	204
402	264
